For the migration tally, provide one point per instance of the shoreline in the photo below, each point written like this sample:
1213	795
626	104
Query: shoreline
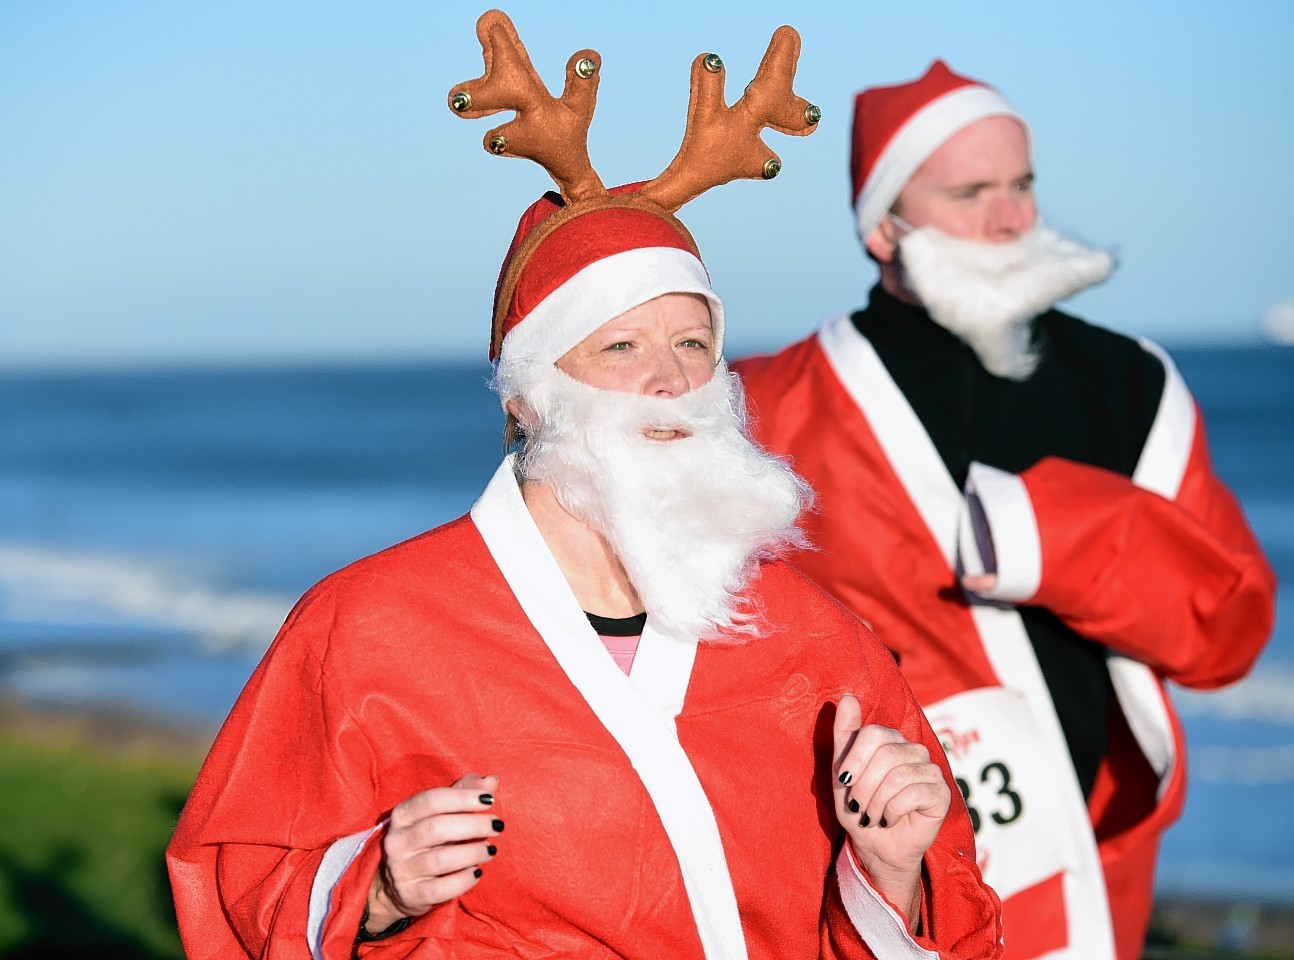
1195	927
116	730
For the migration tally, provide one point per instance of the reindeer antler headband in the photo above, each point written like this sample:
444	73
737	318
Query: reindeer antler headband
720	142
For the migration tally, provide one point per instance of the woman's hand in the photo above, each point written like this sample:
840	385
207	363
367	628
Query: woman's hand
434	849
891	800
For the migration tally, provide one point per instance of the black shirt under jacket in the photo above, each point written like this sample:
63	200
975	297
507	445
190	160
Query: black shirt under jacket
1092	399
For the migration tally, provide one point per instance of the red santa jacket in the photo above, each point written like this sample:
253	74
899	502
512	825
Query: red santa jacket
684	810
1159	567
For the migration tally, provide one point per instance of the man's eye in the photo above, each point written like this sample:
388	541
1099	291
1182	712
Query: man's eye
694	344
1023	186
620	346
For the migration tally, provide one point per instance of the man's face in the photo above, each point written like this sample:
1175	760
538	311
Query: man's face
662	348
977	186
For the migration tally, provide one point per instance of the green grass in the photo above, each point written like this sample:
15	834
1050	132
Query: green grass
82	833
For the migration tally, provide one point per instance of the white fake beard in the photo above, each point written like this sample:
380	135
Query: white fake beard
987	294
689	518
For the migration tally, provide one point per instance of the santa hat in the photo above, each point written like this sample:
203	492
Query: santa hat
582	258
897	128
560	287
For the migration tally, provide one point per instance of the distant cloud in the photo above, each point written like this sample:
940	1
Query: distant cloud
1278	322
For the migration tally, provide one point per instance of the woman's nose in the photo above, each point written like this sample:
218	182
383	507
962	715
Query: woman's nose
668	375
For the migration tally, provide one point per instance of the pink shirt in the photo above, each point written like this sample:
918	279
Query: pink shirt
622	650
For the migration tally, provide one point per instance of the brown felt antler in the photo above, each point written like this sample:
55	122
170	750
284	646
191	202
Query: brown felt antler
723	143
720	143
551	131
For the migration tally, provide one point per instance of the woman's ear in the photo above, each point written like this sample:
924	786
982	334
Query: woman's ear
519	412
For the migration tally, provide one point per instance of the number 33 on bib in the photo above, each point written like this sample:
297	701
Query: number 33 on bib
1009	783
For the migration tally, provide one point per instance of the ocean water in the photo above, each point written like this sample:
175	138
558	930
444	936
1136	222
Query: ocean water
156	527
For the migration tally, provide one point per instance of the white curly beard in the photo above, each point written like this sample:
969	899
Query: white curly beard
988	294
689	518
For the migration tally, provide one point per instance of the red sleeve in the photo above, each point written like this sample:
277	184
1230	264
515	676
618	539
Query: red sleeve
961	916
1180	585
289	778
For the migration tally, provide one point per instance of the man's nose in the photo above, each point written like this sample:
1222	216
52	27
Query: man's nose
1010	216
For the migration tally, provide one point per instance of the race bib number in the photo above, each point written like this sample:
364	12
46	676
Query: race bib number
1008	783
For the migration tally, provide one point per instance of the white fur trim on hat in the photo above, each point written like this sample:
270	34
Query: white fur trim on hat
602	291
923	134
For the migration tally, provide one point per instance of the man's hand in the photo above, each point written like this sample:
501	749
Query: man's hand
891	800
980	583
433	850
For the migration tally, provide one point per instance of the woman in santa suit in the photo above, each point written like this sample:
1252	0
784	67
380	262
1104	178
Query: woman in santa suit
595	716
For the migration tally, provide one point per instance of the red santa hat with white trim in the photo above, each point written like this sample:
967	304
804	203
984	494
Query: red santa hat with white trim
588	270
587	254
897	128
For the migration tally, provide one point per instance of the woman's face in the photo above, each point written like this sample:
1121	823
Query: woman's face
662	348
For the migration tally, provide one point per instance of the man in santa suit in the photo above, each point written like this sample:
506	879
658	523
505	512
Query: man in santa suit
695	751
1021	506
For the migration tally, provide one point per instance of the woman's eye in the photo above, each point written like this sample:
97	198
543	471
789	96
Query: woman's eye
694	344
620	346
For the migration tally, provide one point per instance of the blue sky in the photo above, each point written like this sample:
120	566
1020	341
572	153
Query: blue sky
185	182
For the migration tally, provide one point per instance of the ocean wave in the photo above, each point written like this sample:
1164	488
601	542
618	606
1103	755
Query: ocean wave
1242	766
1266	695
43	585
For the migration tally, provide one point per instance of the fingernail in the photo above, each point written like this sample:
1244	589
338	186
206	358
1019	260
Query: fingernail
491	849
845	778
486	798
866	821
477	873
883	823
497	825
853	805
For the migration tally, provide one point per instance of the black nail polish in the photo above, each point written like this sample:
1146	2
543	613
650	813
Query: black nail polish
497	825
845	778
486	799
477	873
866	821
491	849
883	823
853	805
